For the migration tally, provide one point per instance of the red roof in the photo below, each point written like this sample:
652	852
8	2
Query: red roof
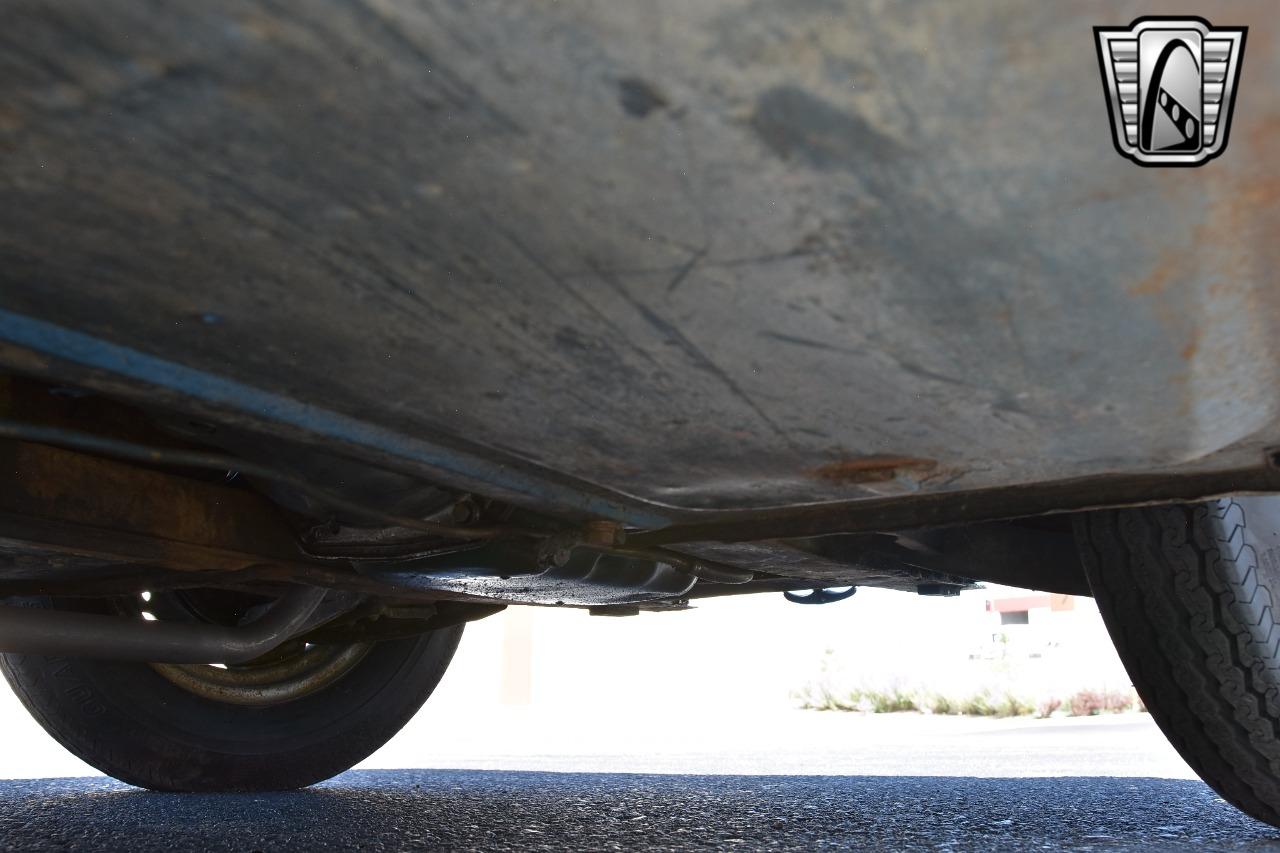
1028	602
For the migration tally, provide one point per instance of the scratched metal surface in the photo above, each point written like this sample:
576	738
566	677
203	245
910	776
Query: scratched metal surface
714	254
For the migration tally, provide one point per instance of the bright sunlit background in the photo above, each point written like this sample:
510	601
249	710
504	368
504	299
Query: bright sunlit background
723	687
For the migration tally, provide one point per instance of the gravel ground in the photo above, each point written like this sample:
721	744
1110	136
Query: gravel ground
493	810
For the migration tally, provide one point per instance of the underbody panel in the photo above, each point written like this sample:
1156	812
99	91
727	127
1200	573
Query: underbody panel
655	265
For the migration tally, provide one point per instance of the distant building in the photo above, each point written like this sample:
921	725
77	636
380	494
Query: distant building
1049	640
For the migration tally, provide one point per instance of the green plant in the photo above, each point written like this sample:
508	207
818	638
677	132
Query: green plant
983	703
892	701
828	701
851	701
1012	706
978	705
819	698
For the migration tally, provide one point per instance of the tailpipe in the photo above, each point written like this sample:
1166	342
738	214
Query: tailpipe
62	633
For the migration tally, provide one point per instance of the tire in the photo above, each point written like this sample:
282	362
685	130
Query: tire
131	722
1188	594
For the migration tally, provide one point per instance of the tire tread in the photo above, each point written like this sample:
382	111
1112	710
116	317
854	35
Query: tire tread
1180	592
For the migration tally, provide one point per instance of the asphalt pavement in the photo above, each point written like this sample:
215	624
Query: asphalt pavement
521	782
495	810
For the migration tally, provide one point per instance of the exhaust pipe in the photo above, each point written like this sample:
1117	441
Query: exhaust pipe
61	633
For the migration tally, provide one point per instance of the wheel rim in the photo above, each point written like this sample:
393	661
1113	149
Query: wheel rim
306	671
287	674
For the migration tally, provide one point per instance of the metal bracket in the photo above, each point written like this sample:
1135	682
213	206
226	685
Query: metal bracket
820	596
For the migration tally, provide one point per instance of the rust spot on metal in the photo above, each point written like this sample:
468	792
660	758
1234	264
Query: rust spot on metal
872	469
1189	351
165	518
1264	193
1262	137
1171	264
606	534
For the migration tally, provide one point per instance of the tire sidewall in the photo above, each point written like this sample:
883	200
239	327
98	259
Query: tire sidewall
130	722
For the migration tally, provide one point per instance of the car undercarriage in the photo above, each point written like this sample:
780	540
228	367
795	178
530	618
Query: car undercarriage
326	330
102	498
